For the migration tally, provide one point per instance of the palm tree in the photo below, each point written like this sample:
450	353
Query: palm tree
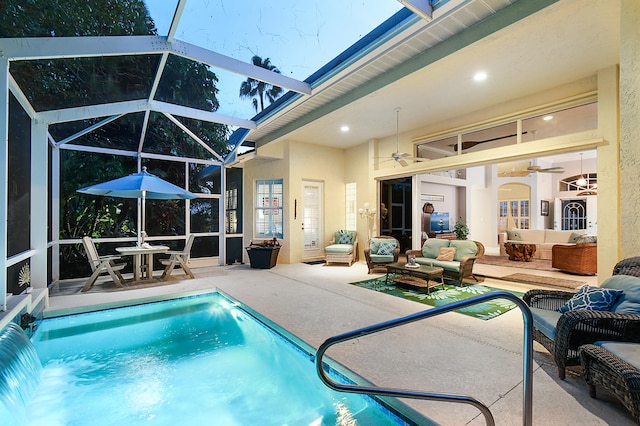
256	89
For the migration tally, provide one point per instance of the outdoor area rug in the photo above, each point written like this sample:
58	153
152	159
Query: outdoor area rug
537	279
539	264
451	293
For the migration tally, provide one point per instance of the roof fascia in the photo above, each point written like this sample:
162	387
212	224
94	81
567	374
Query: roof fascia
501	19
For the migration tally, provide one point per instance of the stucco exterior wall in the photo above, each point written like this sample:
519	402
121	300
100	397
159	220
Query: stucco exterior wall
629	159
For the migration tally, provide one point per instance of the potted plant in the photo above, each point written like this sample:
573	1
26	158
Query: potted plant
461	229
263	254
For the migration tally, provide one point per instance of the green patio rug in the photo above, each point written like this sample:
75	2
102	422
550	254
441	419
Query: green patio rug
451	293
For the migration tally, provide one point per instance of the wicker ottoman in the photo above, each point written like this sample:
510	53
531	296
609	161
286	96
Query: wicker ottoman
603	368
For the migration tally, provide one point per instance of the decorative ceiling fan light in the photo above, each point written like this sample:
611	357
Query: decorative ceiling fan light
582	181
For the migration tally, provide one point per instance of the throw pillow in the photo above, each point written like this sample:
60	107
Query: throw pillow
514	235
574	237
344	237
591	298
584	239
446	253
386	248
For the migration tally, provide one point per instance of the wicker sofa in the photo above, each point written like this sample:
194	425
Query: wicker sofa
466	253
616	367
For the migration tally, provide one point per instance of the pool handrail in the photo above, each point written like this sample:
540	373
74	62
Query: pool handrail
405	393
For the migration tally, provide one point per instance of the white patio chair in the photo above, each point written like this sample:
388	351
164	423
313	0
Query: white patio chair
101	264
178	258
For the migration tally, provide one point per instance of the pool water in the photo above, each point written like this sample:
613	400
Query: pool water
196	360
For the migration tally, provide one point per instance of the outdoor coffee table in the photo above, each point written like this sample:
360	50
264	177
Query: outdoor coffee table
419	276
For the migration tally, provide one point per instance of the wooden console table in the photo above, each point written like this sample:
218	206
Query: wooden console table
520	252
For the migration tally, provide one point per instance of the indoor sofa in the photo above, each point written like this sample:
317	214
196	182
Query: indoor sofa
544	240
456	257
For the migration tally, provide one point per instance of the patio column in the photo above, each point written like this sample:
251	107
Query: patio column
39	203
4	157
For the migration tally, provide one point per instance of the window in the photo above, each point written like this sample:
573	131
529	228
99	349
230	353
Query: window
351	211
269	212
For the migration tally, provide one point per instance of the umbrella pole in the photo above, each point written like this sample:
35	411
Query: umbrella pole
144	213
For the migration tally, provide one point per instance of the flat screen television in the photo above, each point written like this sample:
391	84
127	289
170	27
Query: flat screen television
439	222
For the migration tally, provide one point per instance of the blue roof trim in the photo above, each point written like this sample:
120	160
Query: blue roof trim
396	23
235	140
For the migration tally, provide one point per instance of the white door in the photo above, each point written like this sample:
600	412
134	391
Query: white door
312	220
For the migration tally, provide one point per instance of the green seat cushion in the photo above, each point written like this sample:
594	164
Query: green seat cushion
379	258
629	300
629	352
431	247
545	321
339	249
464	248
447	265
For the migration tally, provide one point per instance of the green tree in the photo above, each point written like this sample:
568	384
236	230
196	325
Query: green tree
257	90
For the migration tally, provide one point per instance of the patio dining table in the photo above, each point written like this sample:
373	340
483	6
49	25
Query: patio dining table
142	268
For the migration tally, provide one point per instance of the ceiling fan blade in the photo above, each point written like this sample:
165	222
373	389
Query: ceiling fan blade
402	162
552	170
471	144
516	173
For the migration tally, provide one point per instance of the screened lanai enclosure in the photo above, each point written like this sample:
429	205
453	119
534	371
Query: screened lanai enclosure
93	91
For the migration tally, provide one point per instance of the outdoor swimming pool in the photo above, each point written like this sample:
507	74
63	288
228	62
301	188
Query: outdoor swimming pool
195	360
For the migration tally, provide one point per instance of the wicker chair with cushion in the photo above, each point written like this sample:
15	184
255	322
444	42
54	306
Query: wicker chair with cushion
380	251
616	367
563	321
581	259
628	266
343	248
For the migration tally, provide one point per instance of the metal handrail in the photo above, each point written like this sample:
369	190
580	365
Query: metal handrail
405	393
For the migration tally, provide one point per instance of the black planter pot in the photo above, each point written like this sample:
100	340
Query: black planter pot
263	257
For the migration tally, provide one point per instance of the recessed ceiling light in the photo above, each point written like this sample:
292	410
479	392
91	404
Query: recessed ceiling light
480	76
547	117
344	128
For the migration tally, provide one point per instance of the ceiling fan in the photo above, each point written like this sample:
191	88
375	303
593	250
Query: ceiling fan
531	169
470	144
402	157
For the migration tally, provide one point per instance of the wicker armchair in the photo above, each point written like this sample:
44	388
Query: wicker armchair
377	260
581	327
604	368
579	259
628	266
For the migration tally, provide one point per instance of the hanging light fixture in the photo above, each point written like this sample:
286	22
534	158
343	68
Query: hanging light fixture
582	182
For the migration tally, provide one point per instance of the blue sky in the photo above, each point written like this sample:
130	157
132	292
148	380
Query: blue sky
299	37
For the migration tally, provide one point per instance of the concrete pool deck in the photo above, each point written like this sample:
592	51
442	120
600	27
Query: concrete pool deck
452	353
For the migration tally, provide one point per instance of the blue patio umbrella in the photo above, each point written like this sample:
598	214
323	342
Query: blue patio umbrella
141	185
